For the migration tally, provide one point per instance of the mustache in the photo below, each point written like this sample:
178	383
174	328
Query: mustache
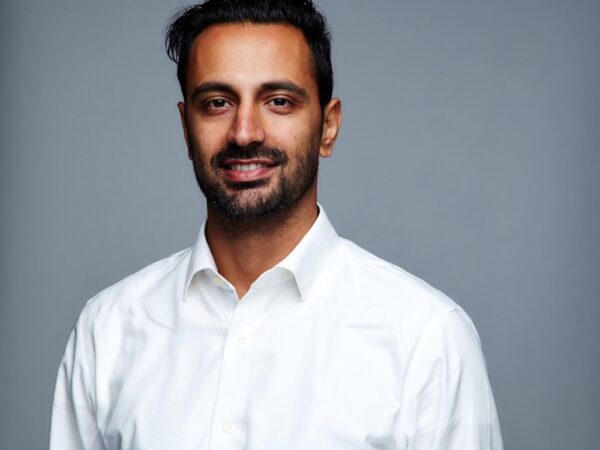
253	151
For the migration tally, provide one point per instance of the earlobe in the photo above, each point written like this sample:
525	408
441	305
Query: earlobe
332	121
182	116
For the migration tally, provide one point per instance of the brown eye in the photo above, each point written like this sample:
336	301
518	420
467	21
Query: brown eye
281	102
217	103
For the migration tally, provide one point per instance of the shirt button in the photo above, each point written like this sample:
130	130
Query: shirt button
228	428
242	339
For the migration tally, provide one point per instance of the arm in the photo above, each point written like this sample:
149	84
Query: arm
448	400
74	424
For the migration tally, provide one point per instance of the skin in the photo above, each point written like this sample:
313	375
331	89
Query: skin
250	84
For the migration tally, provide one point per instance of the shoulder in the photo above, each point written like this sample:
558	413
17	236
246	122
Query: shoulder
140	292
374	288
387	281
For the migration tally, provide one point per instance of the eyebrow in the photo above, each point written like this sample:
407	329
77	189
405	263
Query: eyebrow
284	86
216	86
212	86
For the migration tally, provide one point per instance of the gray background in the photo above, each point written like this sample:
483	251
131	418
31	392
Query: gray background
469	155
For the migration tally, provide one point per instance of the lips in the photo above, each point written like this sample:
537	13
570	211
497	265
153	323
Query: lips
247	170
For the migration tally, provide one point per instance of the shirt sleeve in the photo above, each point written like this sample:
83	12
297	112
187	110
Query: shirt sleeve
73	425
448	400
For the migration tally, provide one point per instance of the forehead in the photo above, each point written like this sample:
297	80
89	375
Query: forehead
250	53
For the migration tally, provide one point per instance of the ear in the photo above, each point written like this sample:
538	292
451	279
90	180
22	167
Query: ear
182	116
332	121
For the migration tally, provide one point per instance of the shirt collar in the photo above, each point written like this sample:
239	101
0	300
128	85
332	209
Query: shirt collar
306	262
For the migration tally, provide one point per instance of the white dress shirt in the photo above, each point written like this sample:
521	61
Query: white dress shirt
331	349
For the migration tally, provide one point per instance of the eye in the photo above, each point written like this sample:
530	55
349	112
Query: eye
216	104
280	102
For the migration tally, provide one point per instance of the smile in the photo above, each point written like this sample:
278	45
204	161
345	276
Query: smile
241	171
247	167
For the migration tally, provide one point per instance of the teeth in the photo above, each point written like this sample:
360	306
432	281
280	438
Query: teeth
246	167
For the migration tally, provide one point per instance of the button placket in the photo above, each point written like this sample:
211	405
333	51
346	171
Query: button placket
228	430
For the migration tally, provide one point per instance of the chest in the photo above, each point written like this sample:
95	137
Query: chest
277	380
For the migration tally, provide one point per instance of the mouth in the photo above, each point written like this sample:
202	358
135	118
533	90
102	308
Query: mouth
248	170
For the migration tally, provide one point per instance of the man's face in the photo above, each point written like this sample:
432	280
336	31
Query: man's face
252	118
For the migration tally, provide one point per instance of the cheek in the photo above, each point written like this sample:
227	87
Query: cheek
207	139
293	135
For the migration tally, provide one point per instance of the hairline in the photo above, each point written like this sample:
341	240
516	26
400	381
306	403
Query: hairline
313	60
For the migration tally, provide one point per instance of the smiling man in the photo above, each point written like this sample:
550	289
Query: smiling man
272	332
255	128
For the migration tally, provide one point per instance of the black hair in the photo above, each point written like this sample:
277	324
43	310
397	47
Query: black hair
188	23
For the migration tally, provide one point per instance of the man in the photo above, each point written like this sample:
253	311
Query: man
271	332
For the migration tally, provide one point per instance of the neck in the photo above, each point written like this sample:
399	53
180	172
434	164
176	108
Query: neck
244	250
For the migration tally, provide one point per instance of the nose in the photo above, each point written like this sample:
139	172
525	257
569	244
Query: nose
246	128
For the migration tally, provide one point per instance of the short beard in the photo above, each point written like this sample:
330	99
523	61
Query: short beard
225	196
